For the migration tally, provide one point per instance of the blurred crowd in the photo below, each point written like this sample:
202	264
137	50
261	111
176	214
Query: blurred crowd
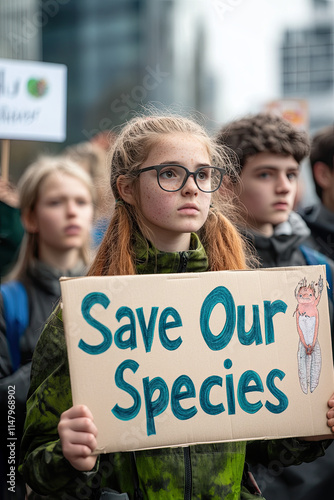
54	220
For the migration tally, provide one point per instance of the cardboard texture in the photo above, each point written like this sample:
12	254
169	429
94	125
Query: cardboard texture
177	359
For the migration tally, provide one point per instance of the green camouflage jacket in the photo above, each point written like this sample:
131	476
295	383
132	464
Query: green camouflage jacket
211	471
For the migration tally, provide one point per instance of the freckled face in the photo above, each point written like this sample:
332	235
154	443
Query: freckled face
171	217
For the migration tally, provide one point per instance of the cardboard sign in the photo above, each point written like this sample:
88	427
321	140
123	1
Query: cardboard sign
32	100
175	359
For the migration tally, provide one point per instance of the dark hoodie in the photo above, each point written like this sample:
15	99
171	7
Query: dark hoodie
321	224
282	248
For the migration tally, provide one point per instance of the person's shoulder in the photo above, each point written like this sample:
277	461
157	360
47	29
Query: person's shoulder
313	255
55	322
50	351
310	213
52	338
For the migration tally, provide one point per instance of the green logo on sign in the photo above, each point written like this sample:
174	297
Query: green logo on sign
37	88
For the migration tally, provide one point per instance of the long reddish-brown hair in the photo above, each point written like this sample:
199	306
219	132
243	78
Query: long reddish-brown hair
223	244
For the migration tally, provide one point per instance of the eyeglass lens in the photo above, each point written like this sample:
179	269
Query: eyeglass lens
172	177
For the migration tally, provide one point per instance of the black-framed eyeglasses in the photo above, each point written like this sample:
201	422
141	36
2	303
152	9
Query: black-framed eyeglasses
172	177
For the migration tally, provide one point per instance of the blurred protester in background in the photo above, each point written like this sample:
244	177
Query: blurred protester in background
92	156
105	139
56	201
269	151
320	216
11	229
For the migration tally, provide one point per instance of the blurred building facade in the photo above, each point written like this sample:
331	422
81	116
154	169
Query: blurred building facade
20	30
120	55
126	53
307	64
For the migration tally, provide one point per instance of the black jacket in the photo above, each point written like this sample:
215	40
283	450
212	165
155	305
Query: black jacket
282	248
321	224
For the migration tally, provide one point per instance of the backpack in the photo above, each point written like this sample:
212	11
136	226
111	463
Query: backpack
16	315
314	258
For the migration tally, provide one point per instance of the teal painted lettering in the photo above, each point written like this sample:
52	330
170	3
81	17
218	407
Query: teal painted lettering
132	411
230	394
270	309
244	387
159	405
130	342
204	396
219	295
228	363
164	325
229	388
177	395
254	334
147	332
87	303
283	401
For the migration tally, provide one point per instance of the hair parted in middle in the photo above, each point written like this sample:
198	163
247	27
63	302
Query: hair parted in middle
264	133
223	244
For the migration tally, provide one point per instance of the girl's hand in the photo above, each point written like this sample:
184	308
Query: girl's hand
330	423
77	433
330	413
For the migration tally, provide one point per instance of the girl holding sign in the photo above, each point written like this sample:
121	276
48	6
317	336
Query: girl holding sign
56	203
165	177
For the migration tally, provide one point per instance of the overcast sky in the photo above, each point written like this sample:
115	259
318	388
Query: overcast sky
246	37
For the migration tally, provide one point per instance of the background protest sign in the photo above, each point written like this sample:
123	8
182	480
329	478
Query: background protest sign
296	111
32	100
175	359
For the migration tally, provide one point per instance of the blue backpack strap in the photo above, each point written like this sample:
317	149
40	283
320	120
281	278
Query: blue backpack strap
314	258
16	315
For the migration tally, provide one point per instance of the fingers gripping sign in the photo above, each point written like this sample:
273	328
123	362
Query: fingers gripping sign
330	414
77	433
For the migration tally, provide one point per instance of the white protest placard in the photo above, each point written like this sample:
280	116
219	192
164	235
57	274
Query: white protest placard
33	100
176	359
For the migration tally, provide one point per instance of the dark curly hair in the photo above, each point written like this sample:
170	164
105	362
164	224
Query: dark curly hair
322	149
262	133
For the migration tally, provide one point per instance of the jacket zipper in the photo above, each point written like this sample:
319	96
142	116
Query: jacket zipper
187	473
183	262
186	451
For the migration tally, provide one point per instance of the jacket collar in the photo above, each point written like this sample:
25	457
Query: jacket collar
150	260
47	277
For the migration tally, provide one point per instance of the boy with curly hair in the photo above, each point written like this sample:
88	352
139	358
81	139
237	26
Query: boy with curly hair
269	150
320	216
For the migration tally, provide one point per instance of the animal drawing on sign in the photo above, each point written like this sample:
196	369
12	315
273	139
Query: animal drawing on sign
307	317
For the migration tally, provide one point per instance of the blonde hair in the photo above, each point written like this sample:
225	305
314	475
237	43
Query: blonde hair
29	190
93	159
223	244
